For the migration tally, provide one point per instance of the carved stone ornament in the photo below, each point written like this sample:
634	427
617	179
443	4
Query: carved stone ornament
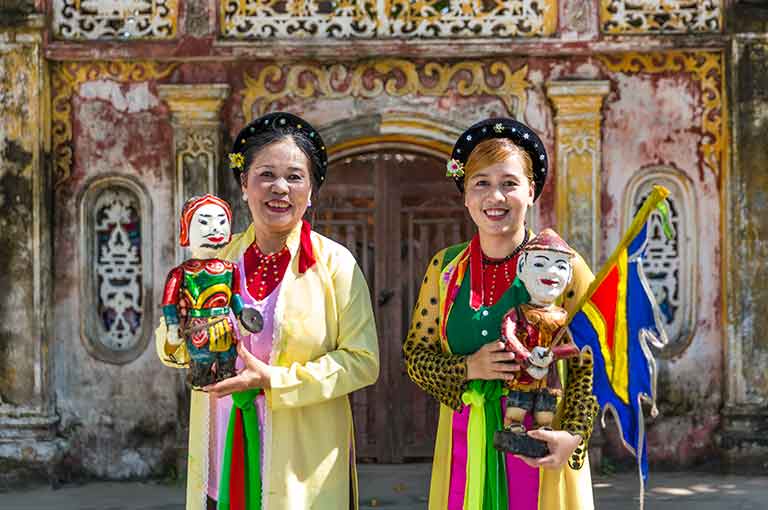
394	77
670	264
115	19
369	19
115	260
660	16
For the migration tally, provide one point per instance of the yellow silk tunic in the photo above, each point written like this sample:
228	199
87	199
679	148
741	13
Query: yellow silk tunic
325	346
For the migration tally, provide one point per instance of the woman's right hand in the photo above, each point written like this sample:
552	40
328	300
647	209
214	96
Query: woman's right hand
492	361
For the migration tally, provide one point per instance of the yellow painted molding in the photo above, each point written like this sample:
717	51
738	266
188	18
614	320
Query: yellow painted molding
394	77
350	145
194	104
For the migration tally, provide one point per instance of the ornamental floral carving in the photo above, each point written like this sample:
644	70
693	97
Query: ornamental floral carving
115	19
394	77
670	264
116	264
368	19
660	16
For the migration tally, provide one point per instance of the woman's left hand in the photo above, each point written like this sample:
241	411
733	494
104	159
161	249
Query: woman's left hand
256	374
561	445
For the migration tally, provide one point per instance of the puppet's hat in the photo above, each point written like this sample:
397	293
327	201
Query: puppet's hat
549	240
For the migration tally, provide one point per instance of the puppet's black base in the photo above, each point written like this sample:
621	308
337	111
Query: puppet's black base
519	443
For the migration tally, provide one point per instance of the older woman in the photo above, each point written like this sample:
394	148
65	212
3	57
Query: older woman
453	350
279	434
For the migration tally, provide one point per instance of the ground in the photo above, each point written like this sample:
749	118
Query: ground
405	487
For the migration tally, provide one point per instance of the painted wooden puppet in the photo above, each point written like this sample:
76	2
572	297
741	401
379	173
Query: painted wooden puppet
535	332
203	293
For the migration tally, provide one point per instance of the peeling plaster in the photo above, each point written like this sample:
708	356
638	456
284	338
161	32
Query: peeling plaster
126	98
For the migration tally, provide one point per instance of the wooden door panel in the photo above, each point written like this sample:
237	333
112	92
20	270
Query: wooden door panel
428	227
393	210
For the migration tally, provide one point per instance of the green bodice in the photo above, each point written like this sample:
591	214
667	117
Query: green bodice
467	329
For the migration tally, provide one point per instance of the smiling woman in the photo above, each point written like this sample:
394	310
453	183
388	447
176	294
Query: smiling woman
501	166
254	438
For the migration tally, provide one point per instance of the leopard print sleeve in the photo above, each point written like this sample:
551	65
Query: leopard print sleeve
439	373
580	407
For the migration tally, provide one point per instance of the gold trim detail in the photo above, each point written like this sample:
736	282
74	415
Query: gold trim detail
394	77
707	68
67	77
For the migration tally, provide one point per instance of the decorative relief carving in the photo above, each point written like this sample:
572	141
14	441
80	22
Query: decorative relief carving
116	240
707	69
670	265
572	139
395	77
196	162
67	77
113	19
662	266
117	261
660	16
345	19
192	143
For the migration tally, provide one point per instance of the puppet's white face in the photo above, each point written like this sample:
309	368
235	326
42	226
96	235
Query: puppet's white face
545	275
208	231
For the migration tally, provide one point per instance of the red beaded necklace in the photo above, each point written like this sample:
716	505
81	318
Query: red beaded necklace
497	277
498	274
264	272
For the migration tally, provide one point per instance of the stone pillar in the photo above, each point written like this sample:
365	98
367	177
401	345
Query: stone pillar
577	168
577	141
28	447
196	139
745	268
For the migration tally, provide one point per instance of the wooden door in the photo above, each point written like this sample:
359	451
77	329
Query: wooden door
393	209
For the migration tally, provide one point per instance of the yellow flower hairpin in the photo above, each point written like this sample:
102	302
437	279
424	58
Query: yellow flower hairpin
236	160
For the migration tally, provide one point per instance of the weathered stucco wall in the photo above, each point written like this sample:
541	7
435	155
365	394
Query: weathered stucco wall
664	117
27	420
654	119
746	408
120	419
21	84
650	119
